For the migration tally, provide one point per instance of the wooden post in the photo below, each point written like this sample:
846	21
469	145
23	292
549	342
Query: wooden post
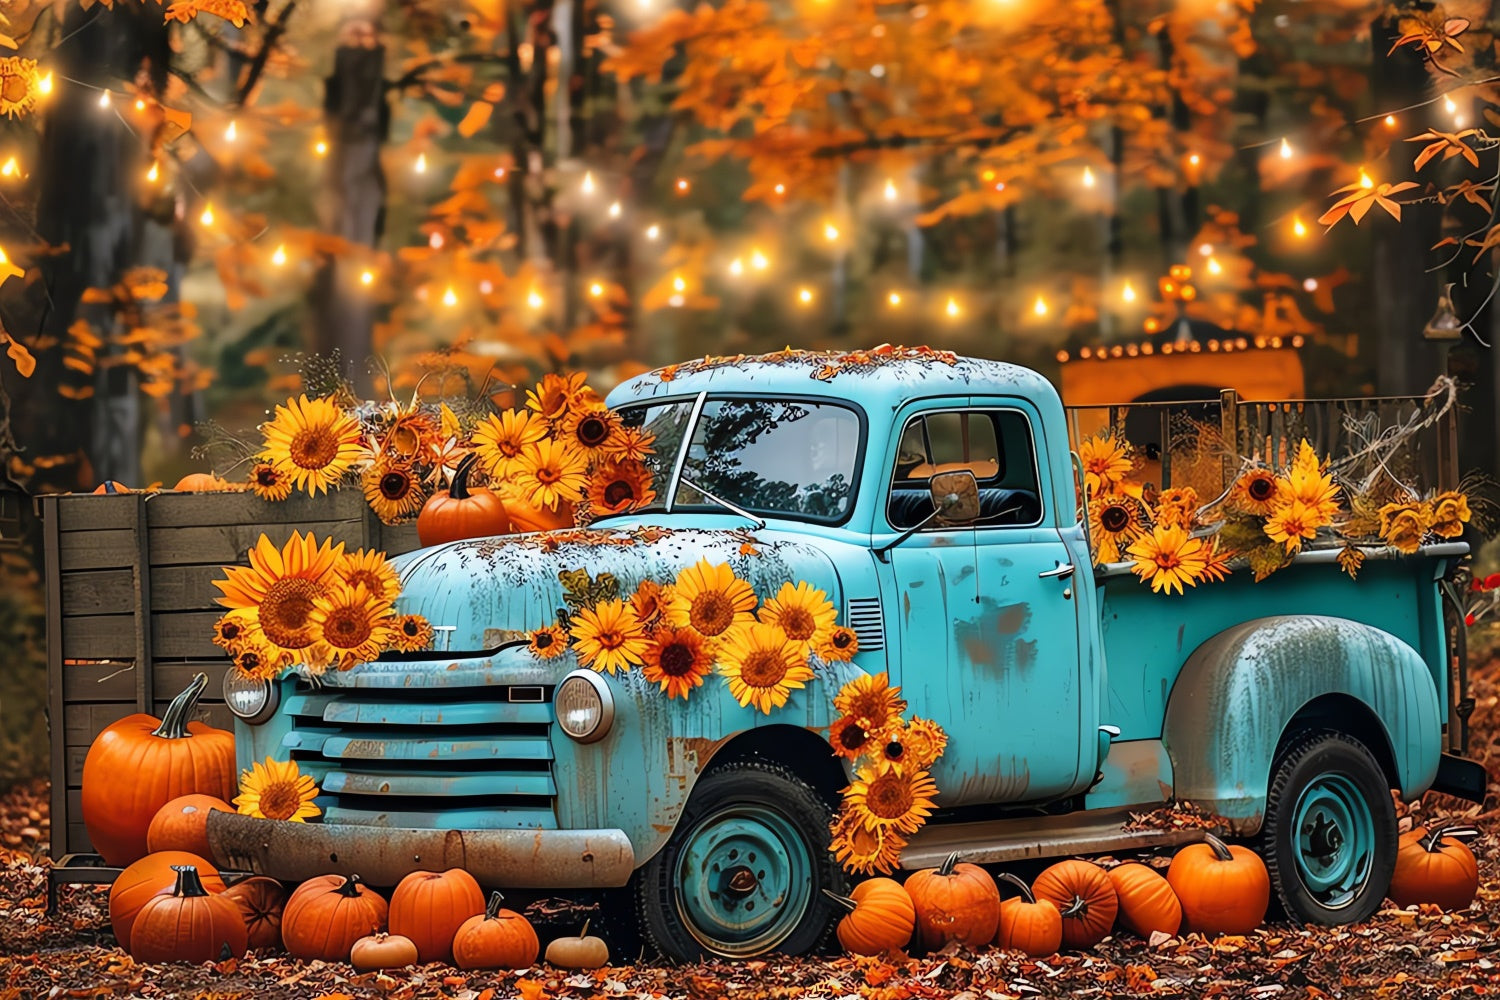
1229	430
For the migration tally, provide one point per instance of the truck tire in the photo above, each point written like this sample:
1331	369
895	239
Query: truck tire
744	871
1329	832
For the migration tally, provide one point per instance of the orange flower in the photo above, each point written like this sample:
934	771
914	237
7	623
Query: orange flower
678	659
840	646
925	742
269	482
501	439
710	598
1178	508
1115	520
1306	483
1168	558
590	428
1290	523
849	737
891	798
863	850
871	697
1450	512
1106	463
1255	492
413	632
617	487
629	444
554	395
1404	525
551	473
649	602
608	637
548	643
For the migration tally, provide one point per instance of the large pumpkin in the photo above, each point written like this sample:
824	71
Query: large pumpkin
881	917
1435	867
954	902
149	877
327	914
182	824
1084	896
139	764
1029	925
430	907
1147	902
188	924
1223	889
495	939
261	901
461	511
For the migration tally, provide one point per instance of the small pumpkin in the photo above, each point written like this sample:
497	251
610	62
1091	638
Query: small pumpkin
111	487
1147	902
188	924
182	824
382	951
1223	889
261	902
495	939
430	907
1029	925
150	876
327	914
881	917
956	901
461	511
1084	897
202	482
527	517
581	952
1435	867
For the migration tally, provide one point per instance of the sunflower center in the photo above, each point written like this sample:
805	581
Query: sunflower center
617	492
395	485
763	668
279	800
411	628
15	89
1115	519
547	476
889	796
283	613
405	440
677	659
314	448
843	639
592	432
1168	559
347	627
894	750
371	580
544	640
230	631
797	623
853	737
711	613
610	638
1261	489
249	661
266	475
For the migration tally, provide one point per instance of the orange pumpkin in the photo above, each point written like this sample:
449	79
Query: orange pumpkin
1147	902
525	517
149	877
110	486
430	907
139	764
1436	867
1083	896
495	939
261	901
382	951
954	902
327	914
881	917
461	511
1223	889
581	952
1029	925
182	825
202	482
188	924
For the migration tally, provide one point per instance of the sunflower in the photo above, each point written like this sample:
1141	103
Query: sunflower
406	439
551	472
1450	512
501	439
1305	482
1168	557
849	737
840	645
268	483
374	570
1403	525
925	742
678	659
609	636
393	490
1290	523
710	598
1106	463
649	602
762	666
413	633
802	612
554	395
1178	507
234	629
355	624
1256	492
548	643
312	441
616	487
19	86
277	790
629	444
862	850
871	697
590	428
889	748
254	659
891	798
281	585
1115	520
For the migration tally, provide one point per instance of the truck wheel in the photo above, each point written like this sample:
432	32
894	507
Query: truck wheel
743	872
1329	833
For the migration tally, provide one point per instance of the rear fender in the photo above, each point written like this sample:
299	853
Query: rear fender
1238	692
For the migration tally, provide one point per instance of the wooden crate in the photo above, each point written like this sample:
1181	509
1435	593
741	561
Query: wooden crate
130	606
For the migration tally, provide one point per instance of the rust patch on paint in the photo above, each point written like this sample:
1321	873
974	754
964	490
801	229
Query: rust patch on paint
979	652
1012	619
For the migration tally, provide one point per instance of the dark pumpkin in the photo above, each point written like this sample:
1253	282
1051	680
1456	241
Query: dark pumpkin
261	902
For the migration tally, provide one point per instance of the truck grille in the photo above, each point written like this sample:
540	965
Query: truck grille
443	758
868	623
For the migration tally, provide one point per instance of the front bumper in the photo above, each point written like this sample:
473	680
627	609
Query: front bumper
382	856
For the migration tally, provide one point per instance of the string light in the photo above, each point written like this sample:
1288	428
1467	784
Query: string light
154	174
1310	285
207	218
653	231
1039	306
140	105
320	148
1205	249
587	187
952	308
683	185
104	99
421	166
678	285
780	189
1449	106
1298	229
279	257
1364	179
890	189
450	297
830	232
805	296
758	261
1088	181
1214	267
232	132
11	168
736	267
1286	149
45	86
1195	159
893	300
534	299
1128	292
614	210
1390	121
596	289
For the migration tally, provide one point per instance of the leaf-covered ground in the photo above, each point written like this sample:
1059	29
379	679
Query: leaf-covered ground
1403	954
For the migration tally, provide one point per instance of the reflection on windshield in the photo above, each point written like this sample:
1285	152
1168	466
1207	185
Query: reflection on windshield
787	458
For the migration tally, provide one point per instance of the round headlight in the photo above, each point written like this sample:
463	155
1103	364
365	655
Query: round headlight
585	708
249	698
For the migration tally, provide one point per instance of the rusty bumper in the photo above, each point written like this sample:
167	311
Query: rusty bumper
507	859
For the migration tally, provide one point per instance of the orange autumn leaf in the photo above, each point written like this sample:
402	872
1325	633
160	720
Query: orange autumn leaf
25	363
476	119
1358	203
1450	144
530	989
233	11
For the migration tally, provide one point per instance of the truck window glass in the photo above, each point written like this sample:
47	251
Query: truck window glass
995	445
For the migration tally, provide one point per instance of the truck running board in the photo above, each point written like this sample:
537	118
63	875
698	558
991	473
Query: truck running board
1019	839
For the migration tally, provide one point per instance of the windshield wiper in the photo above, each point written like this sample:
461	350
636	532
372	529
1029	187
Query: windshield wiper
732	508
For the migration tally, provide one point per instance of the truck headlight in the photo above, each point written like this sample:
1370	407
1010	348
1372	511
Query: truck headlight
249	698
585	707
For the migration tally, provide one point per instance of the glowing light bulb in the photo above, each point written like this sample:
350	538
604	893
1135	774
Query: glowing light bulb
1449	106
421	166
232	132
890	190
758	261
1364	179
1039	306
450	297
1286	149
1128	292
1390	121
830	232
653	231
45	86
534	299
104	99
596	289
1214	267
1298	229
952	307
615	210
367	277
11	168
736	267
1310	285
154	174
320	147
678	285
207	218
1205	249
682	185
805	296
893	300
1195	159
279	257
140	105
780	189
1088	177
587	187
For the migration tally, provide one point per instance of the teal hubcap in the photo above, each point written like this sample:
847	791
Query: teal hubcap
743	881
1333	840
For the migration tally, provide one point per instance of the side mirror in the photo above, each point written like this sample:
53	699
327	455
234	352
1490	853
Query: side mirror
955	496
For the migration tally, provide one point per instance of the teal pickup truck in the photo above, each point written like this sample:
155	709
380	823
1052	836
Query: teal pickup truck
933	499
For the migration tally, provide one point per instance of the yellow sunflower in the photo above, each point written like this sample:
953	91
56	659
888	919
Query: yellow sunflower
554	395
1106	463
313	441
19	86
281	585
355	625
609	637
548	643
255	659
374	570
840	645
1404	525
629	444
802	612
589	428
1169	558
1306	483
277	790
393	490
1115	520
849	737
1178	508
871	697
1255	492
891	798
863	850
762	666
650	602
1290	523
710	598
413	633
889	748
551	472
501	439
925	742
268	483
235	628
678	659
1450	512
617	487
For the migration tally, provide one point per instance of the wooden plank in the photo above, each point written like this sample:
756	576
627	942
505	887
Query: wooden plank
95	512
98	682
185	635
393	540
95	550
81	723
74	758
229	543
52	581
212	510
142	623
97	592
99	637
187	588
172	678
78	840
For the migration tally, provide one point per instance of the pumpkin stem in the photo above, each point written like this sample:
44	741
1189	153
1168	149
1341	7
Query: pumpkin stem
947	866
1220	849
188	882
1078	908
458	489
492	908
585	932
1433	842
174	720
1019	884
350	887
843	901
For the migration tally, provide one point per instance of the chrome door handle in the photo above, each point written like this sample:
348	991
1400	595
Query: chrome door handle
1062	572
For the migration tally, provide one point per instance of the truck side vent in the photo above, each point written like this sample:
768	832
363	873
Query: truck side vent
527	693
868	622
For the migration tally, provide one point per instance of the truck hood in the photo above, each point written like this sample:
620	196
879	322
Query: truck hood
491	591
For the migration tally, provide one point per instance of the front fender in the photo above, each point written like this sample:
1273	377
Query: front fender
1238	692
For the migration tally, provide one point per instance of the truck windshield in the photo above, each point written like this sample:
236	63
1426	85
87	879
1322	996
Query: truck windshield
774	457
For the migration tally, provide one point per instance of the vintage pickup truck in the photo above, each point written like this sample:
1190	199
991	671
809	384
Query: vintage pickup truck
1072	695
